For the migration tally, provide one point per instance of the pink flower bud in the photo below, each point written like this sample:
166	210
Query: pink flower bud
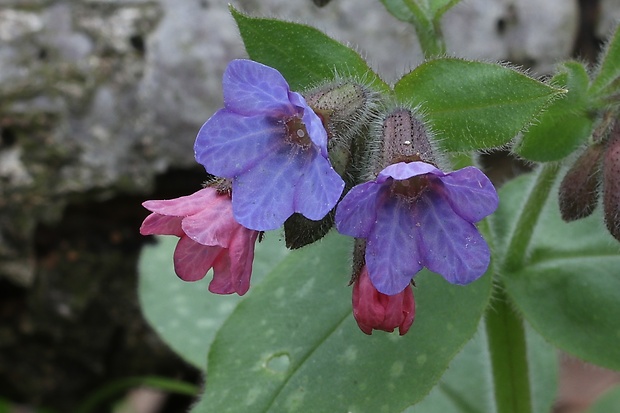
376	311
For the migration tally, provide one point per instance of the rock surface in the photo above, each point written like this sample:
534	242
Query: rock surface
100	96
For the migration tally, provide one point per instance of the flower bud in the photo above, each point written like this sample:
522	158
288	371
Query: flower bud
346	108
401	136
376	311
611	182
578	193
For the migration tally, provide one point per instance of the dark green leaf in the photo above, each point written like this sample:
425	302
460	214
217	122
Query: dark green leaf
474	105
186	315
294	345
304	55
568	287
565	124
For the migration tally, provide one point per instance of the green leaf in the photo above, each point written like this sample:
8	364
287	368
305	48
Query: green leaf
186	315
565	124
568	287
304	55
474	105
607	78
467	386
399	9
608	403
294	345
439	7
429	10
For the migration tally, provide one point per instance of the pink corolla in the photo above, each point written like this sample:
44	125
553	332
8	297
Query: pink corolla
376	311
209	238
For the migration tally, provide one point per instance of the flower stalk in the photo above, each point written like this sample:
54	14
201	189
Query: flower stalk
509	363
528	218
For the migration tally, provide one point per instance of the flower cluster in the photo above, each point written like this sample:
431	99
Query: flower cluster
311	161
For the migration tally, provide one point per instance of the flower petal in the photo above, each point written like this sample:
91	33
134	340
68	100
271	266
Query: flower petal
222	282
193	260
470	193
228	144
392	253
318	189
405	170
156	224
214	225
357	211
450	245
263	196
232	272
182	206
367	307
314	125
251	88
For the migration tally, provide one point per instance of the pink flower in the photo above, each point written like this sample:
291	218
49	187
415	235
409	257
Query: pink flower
374	310
209	238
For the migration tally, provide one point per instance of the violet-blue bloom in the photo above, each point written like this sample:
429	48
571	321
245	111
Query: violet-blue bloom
272	146
413	215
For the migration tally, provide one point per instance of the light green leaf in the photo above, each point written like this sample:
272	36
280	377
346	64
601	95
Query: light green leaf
428	9
304	55
400	10
186	315
293	346
607	78
565	124
568	287
467	385
474	105
608	403
439	7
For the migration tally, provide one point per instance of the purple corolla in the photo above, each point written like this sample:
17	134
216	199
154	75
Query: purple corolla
413	215
272	146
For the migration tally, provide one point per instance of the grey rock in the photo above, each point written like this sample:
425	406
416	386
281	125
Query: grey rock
97	97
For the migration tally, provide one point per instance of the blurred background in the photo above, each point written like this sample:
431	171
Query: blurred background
100	102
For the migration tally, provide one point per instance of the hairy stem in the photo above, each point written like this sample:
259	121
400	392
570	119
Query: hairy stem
428	31
528	217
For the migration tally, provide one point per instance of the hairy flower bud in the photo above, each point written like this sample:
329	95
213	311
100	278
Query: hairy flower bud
405	138
401	135
345	108
578	193
611	182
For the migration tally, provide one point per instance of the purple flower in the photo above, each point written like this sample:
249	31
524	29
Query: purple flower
272	146
412	216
